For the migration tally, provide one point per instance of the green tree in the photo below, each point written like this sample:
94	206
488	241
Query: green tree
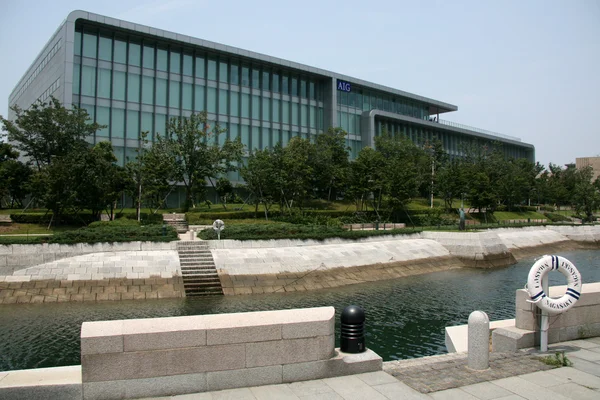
331	165
14	177
224	189
297	171
367	179
48	130
585	195
262	177
199	155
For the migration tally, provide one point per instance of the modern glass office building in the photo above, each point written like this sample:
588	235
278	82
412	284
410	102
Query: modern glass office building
133	78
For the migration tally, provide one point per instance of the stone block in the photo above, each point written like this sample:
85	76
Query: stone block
308	327
102	337
341	364
262	354
43	383
148	387
511	339
220	380
526	319
222	329
163	333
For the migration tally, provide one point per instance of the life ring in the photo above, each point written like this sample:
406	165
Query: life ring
534	284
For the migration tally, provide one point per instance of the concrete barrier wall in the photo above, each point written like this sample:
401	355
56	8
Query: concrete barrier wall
168	356
19	256
581	321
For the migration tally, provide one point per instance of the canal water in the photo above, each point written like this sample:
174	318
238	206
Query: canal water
405	317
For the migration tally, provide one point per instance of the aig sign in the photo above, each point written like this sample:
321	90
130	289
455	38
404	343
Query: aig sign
344	86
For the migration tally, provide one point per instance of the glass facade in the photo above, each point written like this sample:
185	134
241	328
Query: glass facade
134	83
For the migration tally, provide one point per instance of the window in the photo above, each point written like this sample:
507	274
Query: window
304	115
147	90
311	88
76	78
118	85
212	70
174	88
104	83
234	104
235	71
77	43
255	140
246	136
211	101
275	82
188	65
102	118
199	98
161	92
285	84
147	124
186	96
133	125
255	107
223	71
276	110
88	81
234	131
285	112
160	123
255	78
223	101
117	125
120	51
162	58
148	57
245	76
294	89
135	54
266	81
105	50
313	116
245	105
266	102
89	45
200	68
133	87
303	88
175	62
295	119
266	138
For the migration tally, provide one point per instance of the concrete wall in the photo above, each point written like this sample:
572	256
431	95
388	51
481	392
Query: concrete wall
18	256
582	320
168	356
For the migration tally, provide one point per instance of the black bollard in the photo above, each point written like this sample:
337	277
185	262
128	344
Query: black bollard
352	338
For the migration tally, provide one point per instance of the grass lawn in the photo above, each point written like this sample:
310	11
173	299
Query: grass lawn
32	229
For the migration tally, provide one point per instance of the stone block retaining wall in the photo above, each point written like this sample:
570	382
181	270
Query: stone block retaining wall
581	321
169	356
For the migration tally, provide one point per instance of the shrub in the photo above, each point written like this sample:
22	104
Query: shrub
145	218
290	231
557	217
116	233
65	219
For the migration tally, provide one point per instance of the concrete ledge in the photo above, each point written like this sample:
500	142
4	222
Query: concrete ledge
457	336
42	383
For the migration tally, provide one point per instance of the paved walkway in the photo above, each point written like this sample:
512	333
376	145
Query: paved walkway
581	381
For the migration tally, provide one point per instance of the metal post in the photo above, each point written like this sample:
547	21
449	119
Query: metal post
544	319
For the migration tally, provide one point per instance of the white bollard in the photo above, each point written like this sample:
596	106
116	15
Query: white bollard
479	341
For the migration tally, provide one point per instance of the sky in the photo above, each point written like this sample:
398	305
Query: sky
524	68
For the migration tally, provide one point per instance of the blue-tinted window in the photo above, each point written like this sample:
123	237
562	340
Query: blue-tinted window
120	51
211	100
245	105
246	136
160	123
255	107
105	49
294	89
295	116
313	117
104	83
275	82
199	98
175	62
188	65
255	77
147	124
187	96
245	76
212	70
304	115
162	60
285	86
161	92
174	89
88	81
255	140
266	103
223	101
312	93
303	88
275	110
90	111
76	78
285	112
77	43
266	80
266	138
117	125
147	90
89	45
133	88
234	104
135	55
234	131
223	71
235	74
149	57
119	85
133	125
200	68
102	118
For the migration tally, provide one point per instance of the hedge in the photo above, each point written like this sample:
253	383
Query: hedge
81	218
103	232
290	231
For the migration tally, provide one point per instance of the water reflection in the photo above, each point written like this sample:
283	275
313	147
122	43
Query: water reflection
405	317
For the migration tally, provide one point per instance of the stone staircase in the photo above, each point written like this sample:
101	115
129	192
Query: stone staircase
177	221
200	277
